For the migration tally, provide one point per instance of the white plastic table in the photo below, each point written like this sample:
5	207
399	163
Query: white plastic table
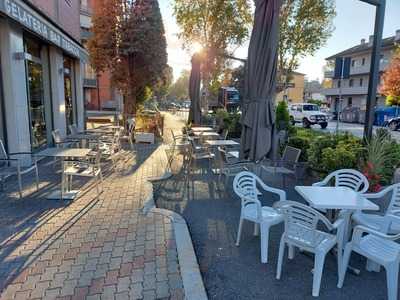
340	198
335	198
64	153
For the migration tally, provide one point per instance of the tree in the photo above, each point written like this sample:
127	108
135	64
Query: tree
180	89
129	40
161	90
217	25
305	26
391	81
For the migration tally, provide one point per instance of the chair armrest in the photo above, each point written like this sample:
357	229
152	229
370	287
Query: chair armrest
379	194
325	181
280	193
9	159
17	153
359	230
338	223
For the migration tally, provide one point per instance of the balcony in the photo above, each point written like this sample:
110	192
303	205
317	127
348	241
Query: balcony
358	70
90	83
329	74
86	10
346	91
86	34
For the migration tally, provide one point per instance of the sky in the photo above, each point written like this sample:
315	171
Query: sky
354	21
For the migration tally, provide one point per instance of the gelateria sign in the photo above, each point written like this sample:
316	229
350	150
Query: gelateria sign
26	16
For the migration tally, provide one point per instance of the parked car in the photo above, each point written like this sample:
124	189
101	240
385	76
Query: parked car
308	114
393	123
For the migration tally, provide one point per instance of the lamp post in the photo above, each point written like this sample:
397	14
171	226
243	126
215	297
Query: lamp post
375	62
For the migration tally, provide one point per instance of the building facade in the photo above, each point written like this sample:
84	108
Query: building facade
354	90
41	71
313	91
99	93
295	92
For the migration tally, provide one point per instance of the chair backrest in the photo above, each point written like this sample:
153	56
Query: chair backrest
173	135
225	133
245	186
291	154
301	222
56	136
73	129
352	179
394	204
3	152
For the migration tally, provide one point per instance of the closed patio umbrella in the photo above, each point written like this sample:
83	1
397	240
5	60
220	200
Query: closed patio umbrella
194	91
258	119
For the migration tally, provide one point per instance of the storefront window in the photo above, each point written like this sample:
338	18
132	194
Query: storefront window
68	90
35	94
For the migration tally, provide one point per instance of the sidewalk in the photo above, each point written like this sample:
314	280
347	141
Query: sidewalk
90	248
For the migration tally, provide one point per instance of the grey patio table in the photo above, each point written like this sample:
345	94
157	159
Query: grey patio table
218	143
202	129
64	153
84	137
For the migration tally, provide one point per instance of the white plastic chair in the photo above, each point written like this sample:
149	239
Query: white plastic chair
245	186
378	247
350	178
378	222
301	231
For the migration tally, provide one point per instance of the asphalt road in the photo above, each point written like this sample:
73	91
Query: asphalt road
355	129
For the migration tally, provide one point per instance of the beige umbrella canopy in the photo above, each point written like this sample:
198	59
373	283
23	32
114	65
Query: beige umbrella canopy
194	90
258	119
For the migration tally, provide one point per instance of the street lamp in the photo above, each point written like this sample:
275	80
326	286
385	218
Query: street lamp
375	62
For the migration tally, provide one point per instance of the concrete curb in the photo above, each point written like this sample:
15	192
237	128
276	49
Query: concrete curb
192	281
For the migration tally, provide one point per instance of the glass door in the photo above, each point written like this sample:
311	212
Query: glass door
68	90
36	107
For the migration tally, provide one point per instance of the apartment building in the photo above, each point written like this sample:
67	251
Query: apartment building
295	91
41	71
354	90
99	93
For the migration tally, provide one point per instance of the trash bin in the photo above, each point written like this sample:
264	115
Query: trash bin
384	114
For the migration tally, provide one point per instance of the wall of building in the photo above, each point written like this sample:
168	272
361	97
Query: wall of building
34	106
294	94
104	95
63	12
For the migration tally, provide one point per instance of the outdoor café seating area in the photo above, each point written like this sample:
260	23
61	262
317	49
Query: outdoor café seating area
279	229
77	155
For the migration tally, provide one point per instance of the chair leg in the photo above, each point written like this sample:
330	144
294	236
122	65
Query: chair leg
239	231
20	184
37	177
264	242
280	258
256	229
291	252
345	264
97	188
319	261
392	277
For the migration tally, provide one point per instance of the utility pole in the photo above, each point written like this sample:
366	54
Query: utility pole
375	63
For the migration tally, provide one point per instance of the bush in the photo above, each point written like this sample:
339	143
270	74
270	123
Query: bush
282	116
301	143
229	121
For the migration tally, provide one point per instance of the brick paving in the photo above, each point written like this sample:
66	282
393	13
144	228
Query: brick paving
89	248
